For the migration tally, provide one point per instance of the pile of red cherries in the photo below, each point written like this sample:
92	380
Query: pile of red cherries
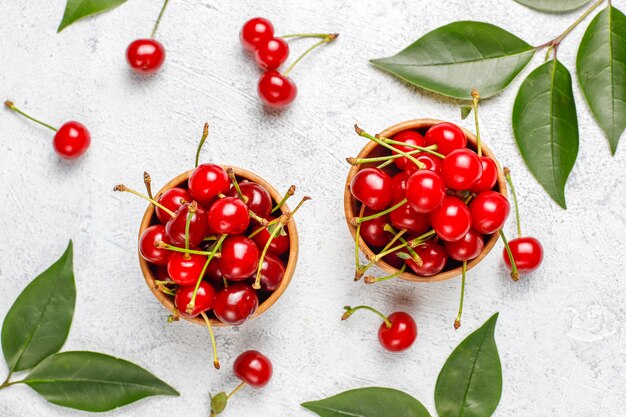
211	248
440	197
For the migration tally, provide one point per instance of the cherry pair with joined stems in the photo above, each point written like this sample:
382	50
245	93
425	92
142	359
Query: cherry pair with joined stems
70	141
146	56
275	89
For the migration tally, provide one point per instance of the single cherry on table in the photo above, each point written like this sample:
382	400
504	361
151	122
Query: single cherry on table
146	56
397	332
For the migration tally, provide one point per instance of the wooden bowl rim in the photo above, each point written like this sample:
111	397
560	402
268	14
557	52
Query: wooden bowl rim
168	302
349	213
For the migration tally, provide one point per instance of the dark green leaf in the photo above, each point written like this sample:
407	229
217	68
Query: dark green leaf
92	381
37	324
601	68
546	127
465	111
78	9
454	59
553	6
368	402
470	382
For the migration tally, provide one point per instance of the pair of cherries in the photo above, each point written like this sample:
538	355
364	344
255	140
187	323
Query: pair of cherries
253	369
275	89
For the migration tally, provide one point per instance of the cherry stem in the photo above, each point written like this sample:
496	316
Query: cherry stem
328	38
357	220
193	206
156	25
307	35
166	290
122	187
414	255
554	43
260	229
237	389
476	99
390	229
372	280
514	271
233	180
382	142
432	149
457	321
10	105
210	238
160	282
205	134
291	191
284	218
263	222
192	303
350	311
216	362
357	238
507	175
147	180
411	243
163	245
386	158
384	164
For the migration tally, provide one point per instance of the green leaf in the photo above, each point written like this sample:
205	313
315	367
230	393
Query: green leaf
91	381
39	321
470	382
601	68
454	59
546	127
553	6
368	402
465	111
78	9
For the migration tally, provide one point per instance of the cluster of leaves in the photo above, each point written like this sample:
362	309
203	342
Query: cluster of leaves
469	384
456	58
33	333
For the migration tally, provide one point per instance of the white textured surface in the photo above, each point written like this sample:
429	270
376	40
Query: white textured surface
560	331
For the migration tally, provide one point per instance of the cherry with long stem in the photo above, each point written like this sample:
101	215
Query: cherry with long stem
253	215
10	105
351	310
457	321
514	271
216	362
123	188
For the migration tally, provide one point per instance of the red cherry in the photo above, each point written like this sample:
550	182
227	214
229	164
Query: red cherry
278	246
235	304
451	220
185	269
272	272
147	245
425	191
409	137
239	259
253	368
198	226
405	217
402	333
446	136
372	231
172	199
258	199
271	53
145	56
229	215
206	182
489	211
205	298
213	273
489	176
461	169
254	31
468	247
276	90
71	140
398	186
433	256
527	252
372	187
431	162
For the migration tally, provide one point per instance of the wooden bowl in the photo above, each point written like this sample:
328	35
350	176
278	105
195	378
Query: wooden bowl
149	218
351	205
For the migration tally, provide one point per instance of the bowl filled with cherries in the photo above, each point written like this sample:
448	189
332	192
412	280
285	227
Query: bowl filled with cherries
218	245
